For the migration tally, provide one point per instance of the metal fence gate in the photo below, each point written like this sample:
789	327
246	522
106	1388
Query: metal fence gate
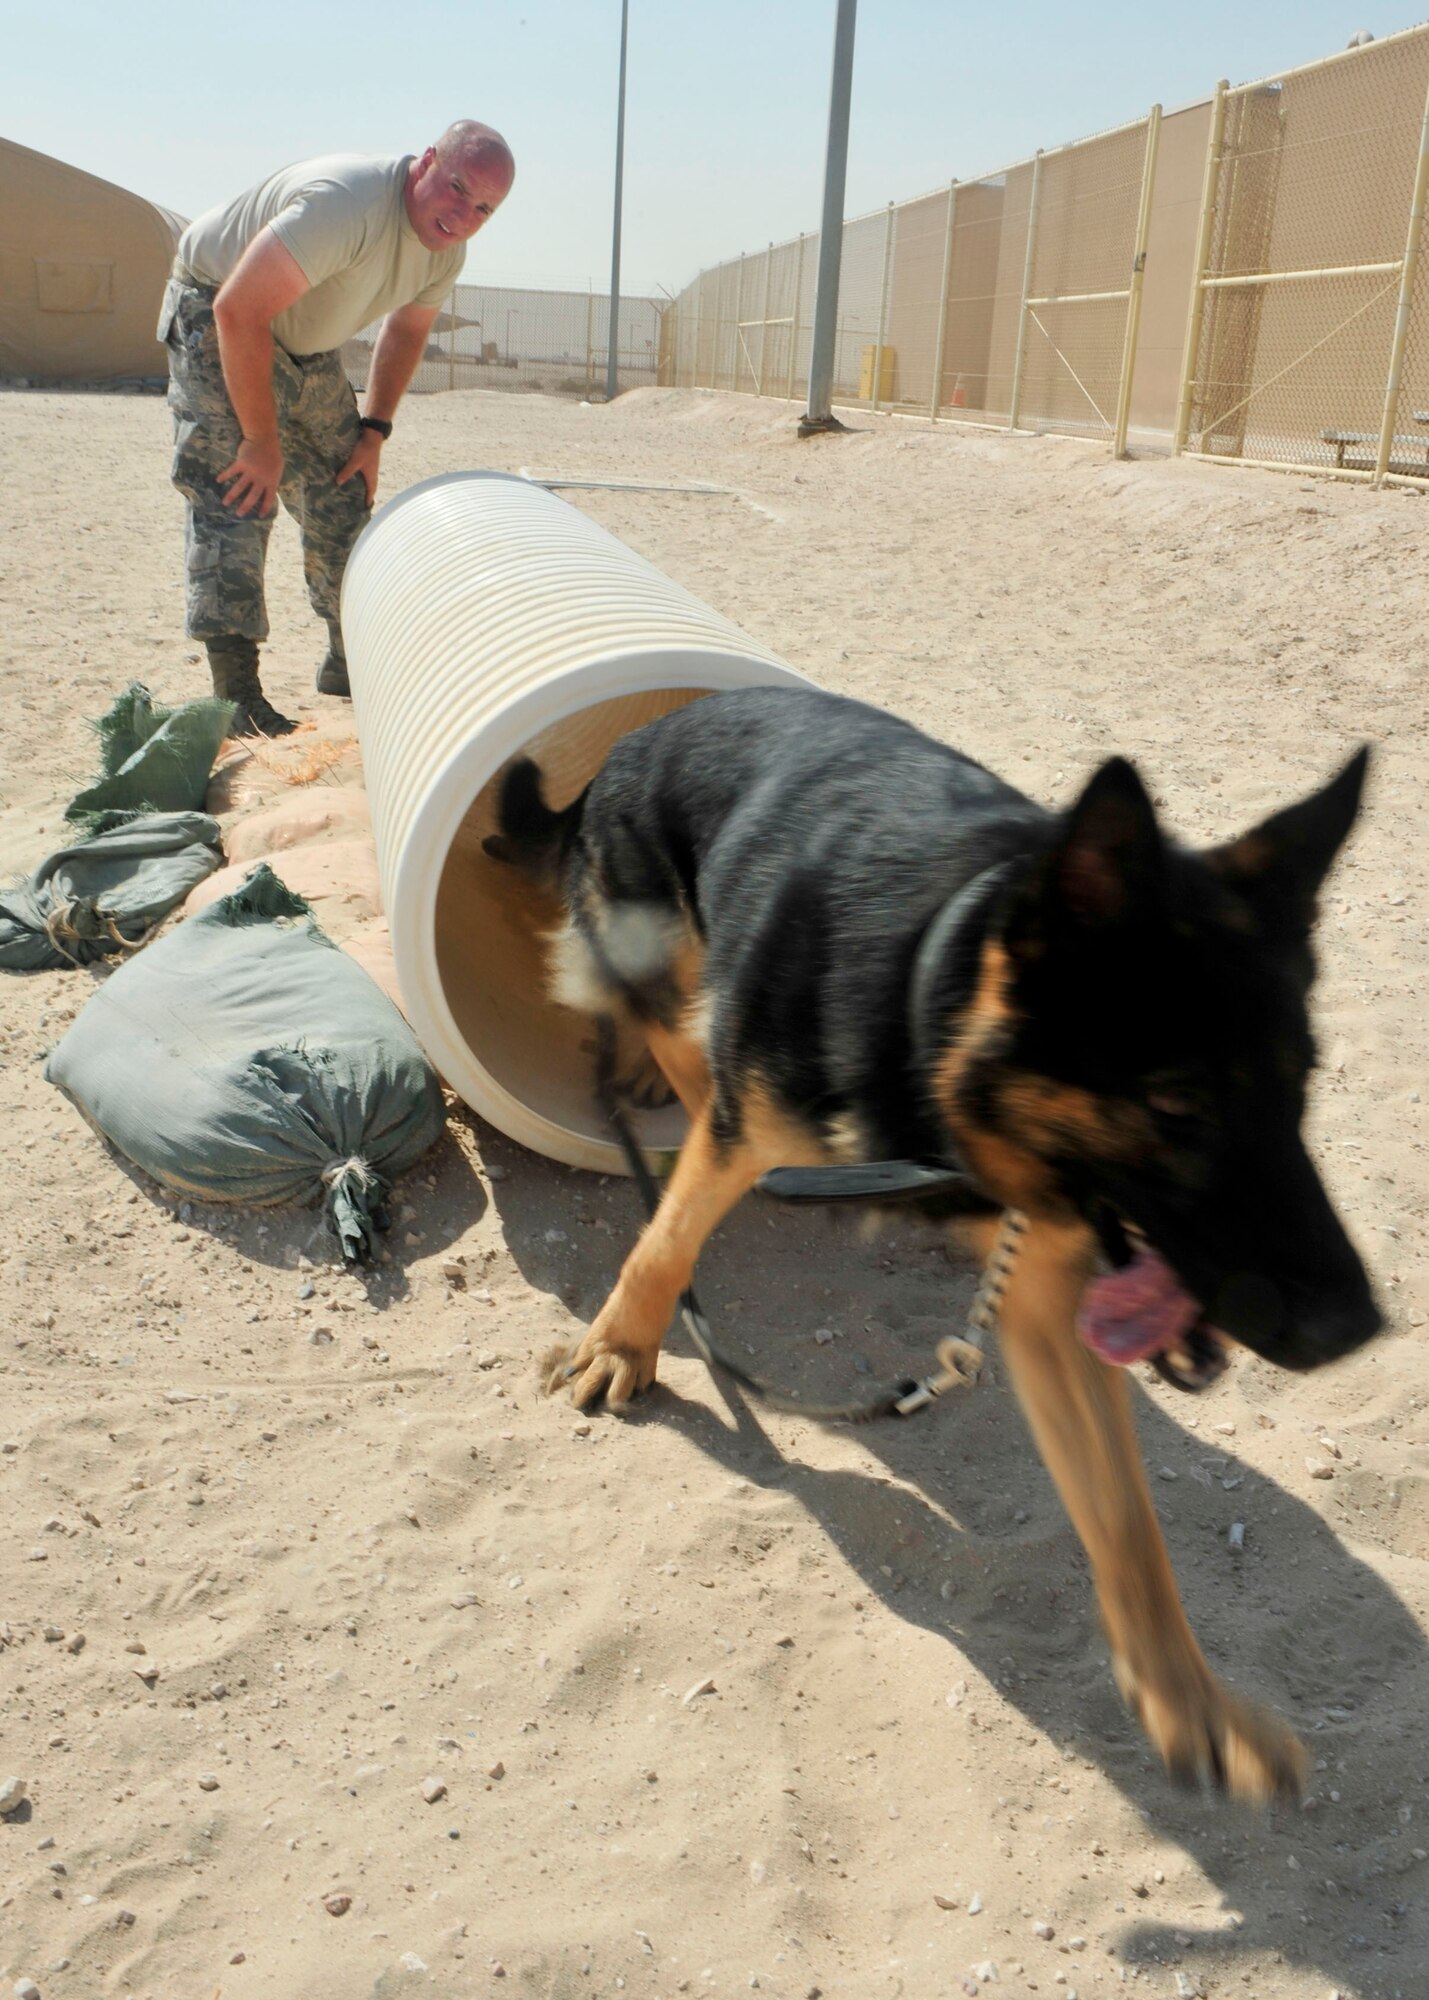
1307	342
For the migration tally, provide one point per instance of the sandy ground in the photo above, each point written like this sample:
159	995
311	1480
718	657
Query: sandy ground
309	1576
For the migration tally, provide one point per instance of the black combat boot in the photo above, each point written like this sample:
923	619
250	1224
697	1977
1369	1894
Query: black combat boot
332	674
234	664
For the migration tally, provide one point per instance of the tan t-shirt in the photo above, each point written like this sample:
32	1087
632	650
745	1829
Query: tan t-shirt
343	218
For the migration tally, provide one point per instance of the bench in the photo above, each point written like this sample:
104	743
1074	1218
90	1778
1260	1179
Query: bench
1366	457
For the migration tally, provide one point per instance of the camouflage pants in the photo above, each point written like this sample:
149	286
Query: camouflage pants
318	427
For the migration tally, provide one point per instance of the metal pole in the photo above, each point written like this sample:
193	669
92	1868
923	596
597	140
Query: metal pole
941	342
764	329
1406	296
589	348
794	314
717	354
451	351
1026	290
736	285
819	416
1243	280
1198	273
882	309
1138	272
612	386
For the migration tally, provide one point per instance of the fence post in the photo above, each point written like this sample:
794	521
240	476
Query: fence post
882	309
1406	298
451	351
718	342
1198	273
794	316
1138	272
1016	396
764	327
939	343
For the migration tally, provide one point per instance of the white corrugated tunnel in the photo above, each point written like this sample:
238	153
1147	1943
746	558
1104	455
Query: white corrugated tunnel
485	617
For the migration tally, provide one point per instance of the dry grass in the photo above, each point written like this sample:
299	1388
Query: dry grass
296	763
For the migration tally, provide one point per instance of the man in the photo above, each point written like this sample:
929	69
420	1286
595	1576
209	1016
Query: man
264	293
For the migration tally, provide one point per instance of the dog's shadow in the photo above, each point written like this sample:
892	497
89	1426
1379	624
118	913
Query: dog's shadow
963	1533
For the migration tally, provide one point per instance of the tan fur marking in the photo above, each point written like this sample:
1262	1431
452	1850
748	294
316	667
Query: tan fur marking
1041	1116
698	1024
987	1012
686	972
1008	1170
683	1063
1014	1176
1250	854
778	1135
618	1355
620	1350
1080	1416
1052	1116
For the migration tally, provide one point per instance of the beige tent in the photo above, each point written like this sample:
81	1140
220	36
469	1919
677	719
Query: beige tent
82	270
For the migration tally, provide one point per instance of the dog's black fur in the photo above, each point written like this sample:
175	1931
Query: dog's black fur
1106	1021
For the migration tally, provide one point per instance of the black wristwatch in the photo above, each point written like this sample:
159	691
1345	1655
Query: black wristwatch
378	424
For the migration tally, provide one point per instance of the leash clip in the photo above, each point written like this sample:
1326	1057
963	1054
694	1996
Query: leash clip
961	1366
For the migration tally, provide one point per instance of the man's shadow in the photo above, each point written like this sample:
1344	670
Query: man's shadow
945	1538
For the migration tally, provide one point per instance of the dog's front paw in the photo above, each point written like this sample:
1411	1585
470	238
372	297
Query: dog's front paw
601	1364
1207	1736
645	1085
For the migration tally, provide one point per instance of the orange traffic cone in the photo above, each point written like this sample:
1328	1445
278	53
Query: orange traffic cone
960	394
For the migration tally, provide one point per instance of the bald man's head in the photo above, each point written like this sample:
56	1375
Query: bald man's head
475	144
458	184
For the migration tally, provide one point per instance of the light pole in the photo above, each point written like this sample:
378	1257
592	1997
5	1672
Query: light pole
612	387
820	418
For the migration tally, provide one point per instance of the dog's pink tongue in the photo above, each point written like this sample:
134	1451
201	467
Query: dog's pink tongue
1141	1310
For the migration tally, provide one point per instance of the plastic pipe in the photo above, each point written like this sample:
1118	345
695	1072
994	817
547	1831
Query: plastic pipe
484	617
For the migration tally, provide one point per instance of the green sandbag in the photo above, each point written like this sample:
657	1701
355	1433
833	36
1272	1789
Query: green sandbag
104	893
244	1058
153	759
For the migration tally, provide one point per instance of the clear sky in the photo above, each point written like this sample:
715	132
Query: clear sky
727	102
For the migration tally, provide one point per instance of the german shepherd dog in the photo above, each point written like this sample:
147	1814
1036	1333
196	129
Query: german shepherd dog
843	941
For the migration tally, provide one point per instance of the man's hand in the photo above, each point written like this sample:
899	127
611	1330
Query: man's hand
251	480
266	280
365	457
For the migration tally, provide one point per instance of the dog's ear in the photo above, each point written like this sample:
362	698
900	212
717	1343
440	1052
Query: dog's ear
1279	866
1103	871
1107	867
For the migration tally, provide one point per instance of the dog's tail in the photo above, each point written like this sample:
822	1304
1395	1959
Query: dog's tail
532	837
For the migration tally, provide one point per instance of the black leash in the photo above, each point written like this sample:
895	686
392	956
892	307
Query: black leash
960	1359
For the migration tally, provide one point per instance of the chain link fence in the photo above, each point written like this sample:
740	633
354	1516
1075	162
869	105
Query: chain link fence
550	343
1271	235
1308	342
1005	299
